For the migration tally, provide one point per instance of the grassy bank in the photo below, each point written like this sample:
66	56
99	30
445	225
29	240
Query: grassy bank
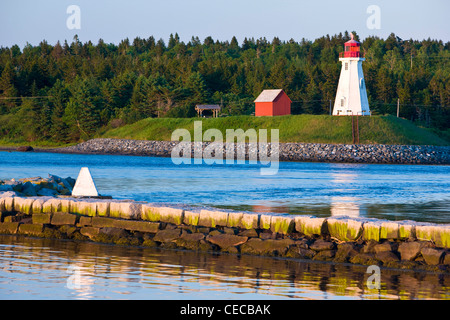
43	144
293	128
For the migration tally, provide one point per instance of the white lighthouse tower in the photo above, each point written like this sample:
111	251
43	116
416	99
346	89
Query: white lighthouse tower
351	96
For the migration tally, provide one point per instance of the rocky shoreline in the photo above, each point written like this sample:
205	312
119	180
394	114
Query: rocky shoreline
305	152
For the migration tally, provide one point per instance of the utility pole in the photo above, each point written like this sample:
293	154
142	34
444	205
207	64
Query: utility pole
398	107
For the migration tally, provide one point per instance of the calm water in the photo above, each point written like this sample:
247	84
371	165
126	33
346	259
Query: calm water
52	269
395	192
55	269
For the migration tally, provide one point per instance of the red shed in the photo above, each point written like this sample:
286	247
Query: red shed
272	103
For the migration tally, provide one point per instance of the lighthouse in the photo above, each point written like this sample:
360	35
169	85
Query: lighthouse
351	96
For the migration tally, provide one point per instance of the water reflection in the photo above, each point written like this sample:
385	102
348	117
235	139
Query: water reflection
406	192
347	206
343	177
268	206
38	269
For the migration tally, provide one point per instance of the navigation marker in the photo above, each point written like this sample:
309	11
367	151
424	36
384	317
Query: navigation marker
85	186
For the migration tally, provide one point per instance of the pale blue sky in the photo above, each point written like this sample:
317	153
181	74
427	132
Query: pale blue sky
23	21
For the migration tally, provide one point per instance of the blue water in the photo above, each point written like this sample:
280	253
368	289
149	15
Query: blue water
394	192
33	268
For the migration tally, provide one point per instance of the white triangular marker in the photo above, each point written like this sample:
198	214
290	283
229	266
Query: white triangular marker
85	186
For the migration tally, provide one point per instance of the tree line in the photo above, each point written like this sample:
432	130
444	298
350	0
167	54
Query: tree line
68	92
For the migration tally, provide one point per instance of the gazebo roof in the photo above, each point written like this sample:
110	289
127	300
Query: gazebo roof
207	107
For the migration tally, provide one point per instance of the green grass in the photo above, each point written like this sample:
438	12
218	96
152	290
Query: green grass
5	142
292	128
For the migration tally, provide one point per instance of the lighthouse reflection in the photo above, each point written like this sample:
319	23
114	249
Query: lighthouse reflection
346	206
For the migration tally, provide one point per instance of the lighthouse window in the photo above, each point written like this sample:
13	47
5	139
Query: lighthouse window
342	102
346	66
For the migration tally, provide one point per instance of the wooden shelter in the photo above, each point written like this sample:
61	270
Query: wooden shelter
272	103
202	107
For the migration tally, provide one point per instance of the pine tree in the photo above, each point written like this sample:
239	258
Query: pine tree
7	89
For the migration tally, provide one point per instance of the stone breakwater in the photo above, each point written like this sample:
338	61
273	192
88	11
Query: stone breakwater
315	152
395	244
38	186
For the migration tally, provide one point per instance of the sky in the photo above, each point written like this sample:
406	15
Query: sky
31	21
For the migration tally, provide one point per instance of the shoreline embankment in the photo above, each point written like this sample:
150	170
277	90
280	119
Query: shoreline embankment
362	241
301	152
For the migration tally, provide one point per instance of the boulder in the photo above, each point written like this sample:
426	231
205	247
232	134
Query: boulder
410	250
226	240
90	232
369	247
365	259
41	218
47	192
433	256
132	225
298	252
382	247
9	227
167	235
6	187
325	255
113	232
346	251
266	247
194	237
25	148
320	245
29	189
61	218
31	229
190	241
250	233
386	256
447	258
85	221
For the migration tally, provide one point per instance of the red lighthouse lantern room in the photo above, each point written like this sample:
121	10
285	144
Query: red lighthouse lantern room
352	49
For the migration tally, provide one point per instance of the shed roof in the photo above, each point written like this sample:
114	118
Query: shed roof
268	95
207	106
